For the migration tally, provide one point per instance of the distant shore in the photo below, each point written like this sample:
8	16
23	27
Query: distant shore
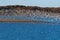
32	13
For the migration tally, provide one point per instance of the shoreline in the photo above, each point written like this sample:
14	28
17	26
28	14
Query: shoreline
29	21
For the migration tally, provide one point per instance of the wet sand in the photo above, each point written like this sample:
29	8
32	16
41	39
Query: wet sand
29	21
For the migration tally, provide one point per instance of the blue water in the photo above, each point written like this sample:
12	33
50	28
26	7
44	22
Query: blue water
29	31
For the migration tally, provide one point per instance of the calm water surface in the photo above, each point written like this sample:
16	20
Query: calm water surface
29	31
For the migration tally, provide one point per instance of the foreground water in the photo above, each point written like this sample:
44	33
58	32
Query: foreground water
29	31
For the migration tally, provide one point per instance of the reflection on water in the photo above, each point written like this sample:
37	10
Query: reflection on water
28	31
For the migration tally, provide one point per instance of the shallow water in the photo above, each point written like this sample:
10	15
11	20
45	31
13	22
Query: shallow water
29	31
37	18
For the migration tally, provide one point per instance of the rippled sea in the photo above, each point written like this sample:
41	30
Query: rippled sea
29	31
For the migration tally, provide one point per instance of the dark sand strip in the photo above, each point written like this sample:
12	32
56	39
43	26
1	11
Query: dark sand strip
32	21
